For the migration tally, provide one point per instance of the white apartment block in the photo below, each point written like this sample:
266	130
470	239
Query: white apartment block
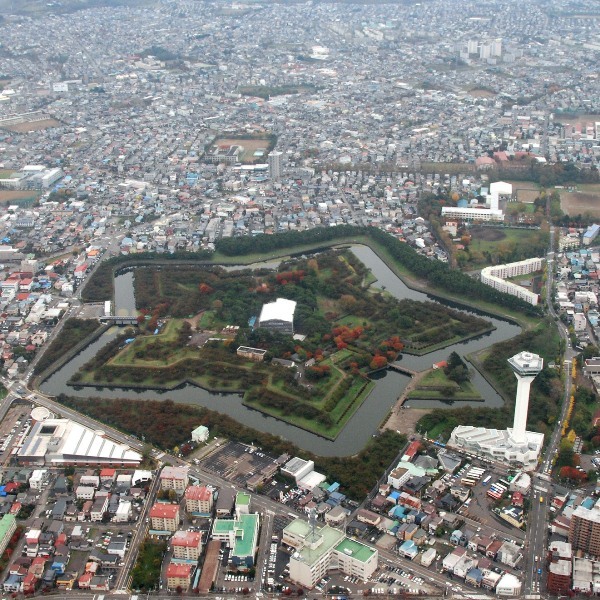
495	277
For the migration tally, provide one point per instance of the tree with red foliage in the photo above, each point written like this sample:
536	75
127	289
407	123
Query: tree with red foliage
378	362
205	289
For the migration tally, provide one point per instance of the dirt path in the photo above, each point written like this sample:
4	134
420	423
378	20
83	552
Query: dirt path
404	420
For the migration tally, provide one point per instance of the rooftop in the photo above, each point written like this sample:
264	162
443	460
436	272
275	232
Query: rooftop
355	549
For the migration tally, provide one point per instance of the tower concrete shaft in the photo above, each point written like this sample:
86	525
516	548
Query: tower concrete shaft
521	408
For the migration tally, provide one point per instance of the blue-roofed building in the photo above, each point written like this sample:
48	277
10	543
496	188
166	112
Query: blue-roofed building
334	487
408	550
394	496
591	233
588	503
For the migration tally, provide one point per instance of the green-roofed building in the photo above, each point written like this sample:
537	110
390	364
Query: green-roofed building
323	549
241	535
8	525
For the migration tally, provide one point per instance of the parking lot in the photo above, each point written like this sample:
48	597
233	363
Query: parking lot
237	462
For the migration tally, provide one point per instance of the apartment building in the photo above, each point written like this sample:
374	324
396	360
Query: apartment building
174	478
165	517
186	545
198	500
179	575
584	532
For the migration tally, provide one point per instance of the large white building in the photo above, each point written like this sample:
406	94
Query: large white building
320	549
491	211
278	316
517	445
496	277
61	441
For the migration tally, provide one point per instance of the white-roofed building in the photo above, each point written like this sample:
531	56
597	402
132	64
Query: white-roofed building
278	316
62	441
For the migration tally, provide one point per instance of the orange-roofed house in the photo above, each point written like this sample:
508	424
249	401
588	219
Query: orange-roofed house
186	545
165	517
198	499
179	575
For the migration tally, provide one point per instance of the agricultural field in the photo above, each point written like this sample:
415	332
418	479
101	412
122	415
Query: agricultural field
584	200
193	320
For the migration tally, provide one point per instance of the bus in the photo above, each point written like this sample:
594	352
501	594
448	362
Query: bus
468	482
503	482
486	480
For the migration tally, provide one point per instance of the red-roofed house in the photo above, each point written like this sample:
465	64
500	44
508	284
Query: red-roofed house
15	508
517	499
84	581
411	451
179	575
198	499
165	517
29	583
187	545
107	475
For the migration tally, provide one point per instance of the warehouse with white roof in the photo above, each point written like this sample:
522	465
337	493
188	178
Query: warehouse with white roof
65	442
278	316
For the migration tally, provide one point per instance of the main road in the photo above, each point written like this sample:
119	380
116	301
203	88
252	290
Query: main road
537	524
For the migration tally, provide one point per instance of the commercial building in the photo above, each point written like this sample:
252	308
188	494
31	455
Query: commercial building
165	517
495	276
584	531
515	446
241	535
278	316
319	549
198	500
298	468
57	442
186	545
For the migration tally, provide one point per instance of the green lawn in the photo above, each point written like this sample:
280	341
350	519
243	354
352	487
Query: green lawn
429	388
342	412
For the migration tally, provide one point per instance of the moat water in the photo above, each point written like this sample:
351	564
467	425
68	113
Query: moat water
365	421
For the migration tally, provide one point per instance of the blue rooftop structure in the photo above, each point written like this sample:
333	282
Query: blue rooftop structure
334	487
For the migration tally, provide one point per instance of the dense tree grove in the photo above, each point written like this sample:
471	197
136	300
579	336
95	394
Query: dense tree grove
72	332
438	274
547	389
166	425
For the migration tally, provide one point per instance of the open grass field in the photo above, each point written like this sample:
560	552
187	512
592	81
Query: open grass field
250	146
436	386
576	120
18	195
32	126
487	239
586	200
482	93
